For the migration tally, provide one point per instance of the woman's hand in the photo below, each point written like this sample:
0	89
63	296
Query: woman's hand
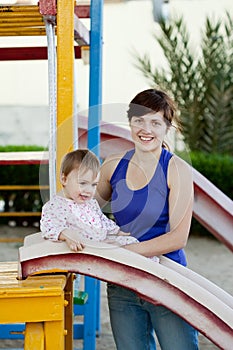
72	239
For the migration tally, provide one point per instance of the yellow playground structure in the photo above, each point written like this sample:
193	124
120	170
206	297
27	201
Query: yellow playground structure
40	310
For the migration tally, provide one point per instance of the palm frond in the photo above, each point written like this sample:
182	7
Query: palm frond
201	83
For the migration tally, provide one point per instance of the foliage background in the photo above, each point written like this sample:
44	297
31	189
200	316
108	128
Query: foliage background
200	79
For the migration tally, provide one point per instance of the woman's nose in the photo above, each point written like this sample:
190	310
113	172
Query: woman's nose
146	126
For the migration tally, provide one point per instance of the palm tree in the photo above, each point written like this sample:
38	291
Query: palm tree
200	83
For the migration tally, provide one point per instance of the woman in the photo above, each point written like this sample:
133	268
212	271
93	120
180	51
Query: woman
151	192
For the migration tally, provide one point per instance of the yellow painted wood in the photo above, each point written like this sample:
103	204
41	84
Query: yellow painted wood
20	214
69	315
21	301
65	80
12	16
23	187
25	308
54	335
18	9
34	31
38	301
11	240
34	336
22	23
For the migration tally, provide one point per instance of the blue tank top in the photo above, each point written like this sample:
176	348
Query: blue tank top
144	212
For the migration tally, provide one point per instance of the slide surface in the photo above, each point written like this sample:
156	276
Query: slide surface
200	302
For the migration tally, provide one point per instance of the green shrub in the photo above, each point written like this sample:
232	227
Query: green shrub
216	168
219	170
30	174
21	148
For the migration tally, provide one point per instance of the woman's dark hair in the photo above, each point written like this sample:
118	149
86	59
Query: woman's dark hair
152	100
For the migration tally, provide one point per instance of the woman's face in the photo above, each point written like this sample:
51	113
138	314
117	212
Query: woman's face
148	131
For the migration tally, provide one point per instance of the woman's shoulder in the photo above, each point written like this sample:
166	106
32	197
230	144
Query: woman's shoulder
111	162
181	163
114	157
179	167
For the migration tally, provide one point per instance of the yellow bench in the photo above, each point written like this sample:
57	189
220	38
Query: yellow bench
43	303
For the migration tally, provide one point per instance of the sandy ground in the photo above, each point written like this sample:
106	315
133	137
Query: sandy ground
205	255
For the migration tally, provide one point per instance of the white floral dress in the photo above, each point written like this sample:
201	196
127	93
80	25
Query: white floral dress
61	213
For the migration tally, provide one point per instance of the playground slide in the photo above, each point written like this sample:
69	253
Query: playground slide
213	209
200	302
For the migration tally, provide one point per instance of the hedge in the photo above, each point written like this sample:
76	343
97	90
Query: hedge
216	168
219	170
23	174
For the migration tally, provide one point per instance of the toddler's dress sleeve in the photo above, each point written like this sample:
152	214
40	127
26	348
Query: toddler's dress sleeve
108	225
53	219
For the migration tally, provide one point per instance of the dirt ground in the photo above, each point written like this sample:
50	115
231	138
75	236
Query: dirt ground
205	255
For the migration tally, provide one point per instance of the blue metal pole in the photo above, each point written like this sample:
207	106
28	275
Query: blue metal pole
94	118
95	78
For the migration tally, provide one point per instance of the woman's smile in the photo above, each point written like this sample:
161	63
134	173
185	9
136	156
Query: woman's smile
146	138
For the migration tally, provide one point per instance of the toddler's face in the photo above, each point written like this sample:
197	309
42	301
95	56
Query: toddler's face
80	186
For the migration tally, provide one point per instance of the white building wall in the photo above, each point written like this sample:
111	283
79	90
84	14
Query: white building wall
128	26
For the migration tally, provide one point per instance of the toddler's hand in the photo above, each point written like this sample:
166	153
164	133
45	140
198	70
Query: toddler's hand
72	239
75	246
121	233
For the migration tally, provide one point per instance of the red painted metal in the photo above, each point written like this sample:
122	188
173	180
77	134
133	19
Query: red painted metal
29	53
20	158
48	7
82	11
154	282
23	53
213	209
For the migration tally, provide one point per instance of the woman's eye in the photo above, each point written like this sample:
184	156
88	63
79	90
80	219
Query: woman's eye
138	121
156	123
